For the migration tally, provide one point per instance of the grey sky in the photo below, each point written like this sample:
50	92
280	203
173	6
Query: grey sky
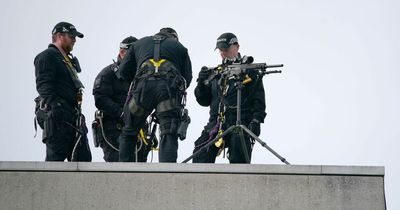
336	102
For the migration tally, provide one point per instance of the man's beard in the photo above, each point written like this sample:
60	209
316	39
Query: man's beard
68	47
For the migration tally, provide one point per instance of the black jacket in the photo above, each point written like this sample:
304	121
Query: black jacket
253	98
208	95
143	49
110	91
54	81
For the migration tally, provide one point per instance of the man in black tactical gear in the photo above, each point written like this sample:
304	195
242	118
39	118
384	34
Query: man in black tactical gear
161	71
110	92
220	94
60	96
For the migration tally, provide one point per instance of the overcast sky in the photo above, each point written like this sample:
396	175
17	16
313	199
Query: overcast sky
337	101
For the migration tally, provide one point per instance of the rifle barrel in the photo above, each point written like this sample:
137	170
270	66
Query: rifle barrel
274	66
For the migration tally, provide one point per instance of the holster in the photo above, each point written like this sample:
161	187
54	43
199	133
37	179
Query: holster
183	124
96	133
40	112
49	126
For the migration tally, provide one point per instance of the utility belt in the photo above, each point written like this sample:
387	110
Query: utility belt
49	118
41	109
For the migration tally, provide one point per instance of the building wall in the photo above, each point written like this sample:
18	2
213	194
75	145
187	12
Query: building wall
39	185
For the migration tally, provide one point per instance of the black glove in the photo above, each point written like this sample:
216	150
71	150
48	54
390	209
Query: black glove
254	126
203	74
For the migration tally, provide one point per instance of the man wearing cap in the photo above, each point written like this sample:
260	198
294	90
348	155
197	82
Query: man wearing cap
60	91
110	92
220	94
161	70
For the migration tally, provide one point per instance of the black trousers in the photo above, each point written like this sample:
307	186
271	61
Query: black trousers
111	134
60	145
232	142
112	155
148	95
211	153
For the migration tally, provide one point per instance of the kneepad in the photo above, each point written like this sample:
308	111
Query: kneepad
135	109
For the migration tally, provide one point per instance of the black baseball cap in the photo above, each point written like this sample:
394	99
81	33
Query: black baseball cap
225	40
64	27
127	42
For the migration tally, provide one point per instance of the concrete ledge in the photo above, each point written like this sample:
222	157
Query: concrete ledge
193	168
54	185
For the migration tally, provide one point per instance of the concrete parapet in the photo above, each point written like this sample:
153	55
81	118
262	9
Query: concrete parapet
53	185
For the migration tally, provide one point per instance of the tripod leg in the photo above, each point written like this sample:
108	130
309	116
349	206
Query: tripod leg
264	144
205	147
244	146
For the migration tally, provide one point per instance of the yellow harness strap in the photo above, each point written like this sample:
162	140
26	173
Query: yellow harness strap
142	137
220	142
71	67
157	64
